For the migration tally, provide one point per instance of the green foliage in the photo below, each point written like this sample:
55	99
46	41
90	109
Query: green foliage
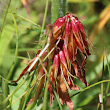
18	44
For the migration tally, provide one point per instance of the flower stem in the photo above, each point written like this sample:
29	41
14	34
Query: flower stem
58	9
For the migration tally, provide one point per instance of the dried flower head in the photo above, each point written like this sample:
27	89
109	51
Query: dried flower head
71	37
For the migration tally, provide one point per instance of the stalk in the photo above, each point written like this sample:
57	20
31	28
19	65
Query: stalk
58	9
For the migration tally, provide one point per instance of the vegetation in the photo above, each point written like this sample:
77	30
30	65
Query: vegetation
21	28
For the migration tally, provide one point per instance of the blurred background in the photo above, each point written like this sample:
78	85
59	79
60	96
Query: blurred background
95	17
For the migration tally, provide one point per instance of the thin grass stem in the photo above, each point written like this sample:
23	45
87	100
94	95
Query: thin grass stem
16	52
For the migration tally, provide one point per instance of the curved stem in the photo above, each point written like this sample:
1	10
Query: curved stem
16	53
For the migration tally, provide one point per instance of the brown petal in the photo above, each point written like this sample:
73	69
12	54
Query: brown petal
50	89
72	47
39	84
50	40
67	57
53	76
38	91
63	93
29	64
86	45
25	70
79	44
74	87
78	73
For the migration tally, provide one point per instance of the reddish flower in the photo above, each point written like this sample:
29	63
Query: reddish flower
70	33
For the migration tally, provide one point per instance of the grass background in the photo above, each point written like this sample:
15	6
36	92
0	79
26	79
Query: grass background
18	44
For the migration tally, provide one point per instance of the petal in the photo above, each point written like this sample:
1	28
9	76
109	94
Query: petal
78	37
29	64
79	24
58	27
75	28
86	45
62	57
67	28
55	65
66	53
59	22
25	70
50	40
67	15
38	91
80	44
78	73
50	89
56	61
67	31
64	72
39	84
83	34
63	93
74	87
53	76
72	47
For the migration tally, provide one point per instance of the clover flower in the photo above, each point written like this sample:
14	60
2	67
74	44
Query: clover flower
70	36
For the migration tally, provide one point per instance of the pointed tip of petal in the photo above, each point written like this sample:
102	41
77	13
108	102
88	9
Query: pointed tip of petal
74	87
70	105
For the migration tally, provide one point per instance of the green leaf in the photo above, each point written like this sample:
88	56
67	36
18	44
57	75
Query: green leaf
6	37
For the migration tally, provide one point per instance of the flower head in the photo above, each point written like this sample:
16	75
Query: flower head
71	35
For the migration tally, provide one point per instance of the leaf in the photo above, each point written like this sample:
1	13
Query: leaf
6	37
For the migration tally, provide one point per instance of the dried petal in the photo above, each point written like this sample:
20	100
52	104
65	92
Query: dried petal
75	28
29	64
63	93
78	74
50	40
25	70
74	87
67	56
40	82
80	26
58	27
53	76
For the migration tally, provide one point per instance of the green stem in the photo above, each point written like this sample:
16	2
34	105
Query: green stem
46	86
45	15
90	87
16	53
45	96
58	9
10	95
102	104
38	26
5	17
